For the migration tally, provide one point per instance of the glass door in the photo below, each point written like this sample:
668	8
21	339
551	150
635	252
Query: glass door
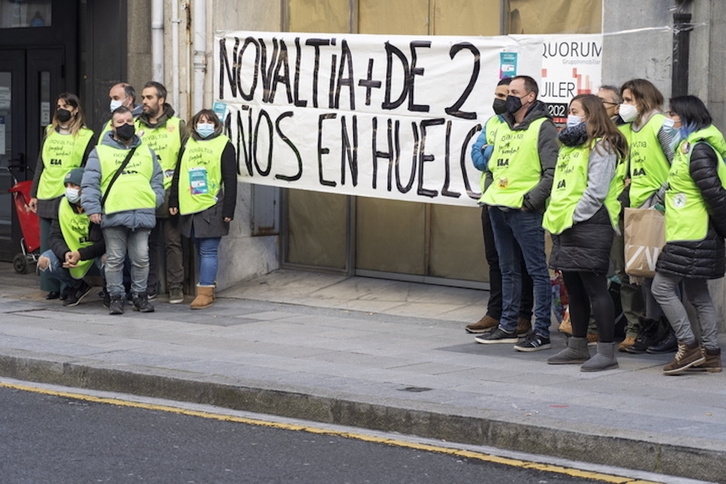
12	145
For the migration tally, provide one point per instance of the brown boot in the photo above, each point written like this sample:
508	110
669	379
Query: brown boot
712	363
688	355
524	326
204	299
484	325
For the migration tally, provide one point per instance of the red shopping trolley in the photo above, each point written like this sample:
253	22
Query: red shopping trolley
29	226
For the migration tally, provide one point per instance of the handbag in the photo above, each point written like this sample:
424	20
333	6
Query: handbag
644	240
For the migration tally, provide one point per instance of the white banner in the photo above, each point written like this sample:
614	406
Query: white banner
367	115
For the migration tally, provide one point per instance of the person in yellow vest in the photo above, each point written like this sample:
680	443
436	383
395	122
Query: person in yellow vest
481	152
631	295
164	133
695	226
521	170
75	250
651	141
66	145
204	193
123	203
582	217
120	94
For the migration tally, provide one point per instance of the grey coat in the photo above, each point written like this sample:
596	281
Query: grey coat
91	194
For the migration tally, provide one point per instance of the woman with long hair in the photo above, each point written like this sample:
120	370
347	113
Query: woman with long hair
66	145
582	217
651	137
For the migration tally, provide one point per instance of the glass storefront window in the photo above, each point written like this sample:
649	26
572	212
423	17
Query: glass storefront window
25	13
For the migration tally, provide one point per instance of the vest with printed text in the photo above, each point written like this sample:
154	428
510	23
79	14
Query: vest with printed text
570	183
648	164
61	154
515	165
166	142
200	174
686	215
75	229
490	128
132	190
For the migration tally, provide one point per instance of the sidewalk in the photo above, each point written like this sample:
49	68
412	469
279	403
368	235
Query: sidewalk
376	354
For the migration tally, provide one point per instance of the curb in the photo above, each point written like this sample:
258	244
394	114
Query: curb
614	450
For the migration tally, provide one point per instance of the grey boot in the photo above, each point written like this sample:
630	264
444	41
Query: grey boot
604	359
575	353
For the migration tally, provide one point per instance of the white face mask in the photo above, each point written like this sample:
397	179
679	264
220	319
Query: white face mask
205	130
628	112
73	194
116	104
573	120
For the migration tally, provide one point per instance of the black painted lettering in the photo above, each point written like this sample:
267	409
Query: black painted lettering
349	151
455	109
392	51
288	142
323	150
416	71
426	158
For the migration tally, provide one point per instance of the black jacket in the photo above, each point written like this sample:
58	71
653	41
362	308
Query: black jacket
584	247
701	259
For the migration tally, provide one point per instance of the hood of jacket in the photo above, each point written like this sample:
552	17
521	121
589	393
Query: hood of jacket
167	112
536	111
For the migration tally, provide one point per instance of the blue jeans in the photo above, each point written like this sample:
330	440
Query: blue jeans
524	228
119	241
57	272
208	260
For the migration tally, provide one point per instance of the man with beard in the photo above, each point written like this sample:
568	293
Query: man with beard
165	134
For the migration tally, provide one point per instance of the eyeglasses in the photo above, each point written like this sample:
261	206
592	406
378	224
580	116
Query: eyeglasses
611	104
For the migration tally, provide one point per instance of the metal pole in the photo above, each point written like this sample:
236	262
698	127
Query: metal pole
681	50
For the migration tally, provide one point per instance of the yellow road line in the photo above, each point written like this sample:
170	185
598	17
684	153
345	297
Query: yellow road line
350	435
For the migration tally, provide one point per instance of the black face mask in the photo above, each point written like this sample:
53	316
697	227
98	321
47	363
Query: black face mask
513	104
125	132
63	115
499	106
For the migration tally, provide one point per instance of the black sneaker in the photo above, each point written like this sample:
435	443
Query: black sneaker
116	306
141	303
533	342
52	295
76	295
498	335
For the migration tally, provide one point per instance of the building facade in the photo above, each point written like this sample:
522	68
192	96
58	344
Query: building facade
85	46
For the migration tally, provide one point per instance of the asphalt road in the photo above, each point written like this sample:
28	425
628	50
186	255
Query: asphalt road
56	439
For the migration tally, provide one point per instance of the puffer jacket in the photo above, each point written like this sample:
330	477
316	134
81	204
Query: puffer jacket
701	259
584	247
91	194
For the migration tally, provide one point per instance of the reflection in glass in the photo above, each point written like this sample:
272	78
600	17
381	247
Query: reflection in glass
25	13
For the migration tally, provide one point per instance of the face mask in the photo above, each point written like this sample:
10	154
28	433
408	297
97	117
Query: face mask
499	106
125	132
513	104
204	130
628	112
573	120
63	115
73	194
116	104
